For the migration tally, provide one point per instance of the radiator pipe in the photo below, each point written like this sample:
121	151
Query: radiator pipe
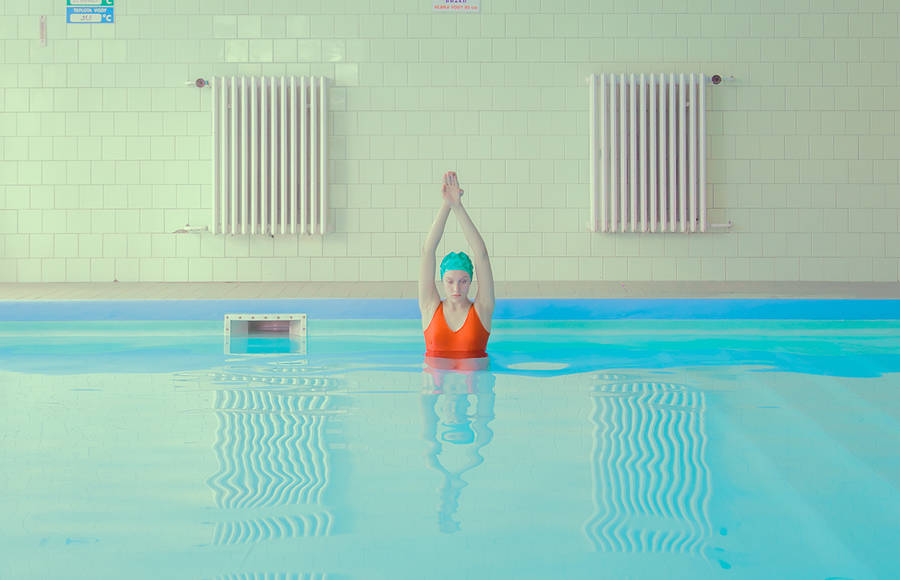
715	79
188	229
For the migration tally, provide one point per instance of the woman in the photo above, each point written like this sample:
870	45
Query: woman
456	329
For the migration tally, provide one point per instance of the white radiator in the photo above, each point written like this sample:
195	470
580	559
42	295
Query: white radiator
648	153
269	155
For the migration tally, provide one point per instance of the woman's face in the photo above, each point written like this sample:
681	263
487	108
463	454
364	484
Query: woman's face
456	283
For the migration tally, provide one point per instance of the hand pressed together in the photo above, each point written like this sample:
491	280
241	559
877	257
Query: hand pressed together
450	191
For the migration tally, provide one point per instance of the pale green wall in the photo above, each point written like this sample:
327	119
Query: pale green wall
105	149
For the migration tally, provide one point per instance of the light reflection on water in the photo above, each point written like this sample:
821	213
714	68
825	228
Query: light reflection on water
279	421
313	467
272	452
652	484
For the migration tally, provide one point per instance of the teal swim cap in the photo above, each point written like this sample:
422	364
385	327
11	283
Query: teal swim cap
456	261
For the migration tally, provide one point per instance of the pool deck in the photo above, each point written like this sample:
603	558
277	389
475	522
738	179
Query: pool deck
277	290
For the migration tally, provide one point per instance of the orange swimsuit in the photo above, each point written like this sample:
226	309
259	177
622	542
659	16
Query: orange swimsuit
470	341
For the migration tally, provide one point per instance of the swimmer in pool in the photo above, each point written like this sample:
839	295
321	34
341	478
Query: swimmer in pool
456	329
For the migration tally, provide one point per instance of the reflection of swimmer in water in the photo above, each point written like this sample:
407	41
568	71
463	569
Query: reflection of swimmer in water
455	328
458	406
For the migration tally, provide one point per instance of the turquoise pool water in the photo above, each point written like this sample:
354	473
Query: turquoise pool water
601	448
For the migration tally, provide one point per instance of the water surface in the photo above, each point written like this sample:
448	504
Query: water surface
602	449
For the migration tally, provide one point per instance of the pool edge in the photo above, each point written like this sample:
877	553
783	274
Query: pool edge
506	309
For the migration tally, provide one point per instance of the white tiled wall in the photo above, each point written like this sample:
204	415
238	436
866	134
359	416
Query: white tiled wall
105	148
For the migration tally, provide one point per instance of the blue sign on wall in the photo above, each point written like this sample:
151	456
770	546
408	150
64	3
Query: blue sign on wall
90	15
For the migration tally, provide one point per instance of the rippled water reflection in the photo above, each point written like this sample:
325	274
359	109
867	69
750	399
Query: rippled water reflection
378	466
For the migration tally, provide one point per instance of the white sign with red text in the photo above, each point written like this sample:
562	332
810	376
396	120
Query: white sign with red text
457	6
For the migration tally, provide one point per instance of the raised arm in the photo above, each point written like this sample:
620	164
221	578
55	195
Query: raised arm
428	293
484	299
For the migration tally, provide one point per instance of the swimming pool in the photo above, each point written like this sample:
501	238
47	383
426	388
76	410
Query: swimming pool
607	439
